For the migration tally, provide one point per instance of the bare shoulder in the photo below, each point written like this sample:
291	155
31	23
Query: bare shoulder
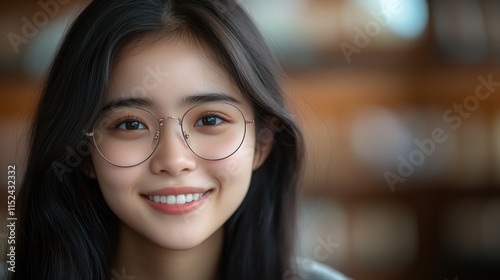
307	269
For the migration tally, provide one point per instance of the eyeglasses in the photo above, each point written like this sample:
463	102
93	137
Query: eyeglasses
128	136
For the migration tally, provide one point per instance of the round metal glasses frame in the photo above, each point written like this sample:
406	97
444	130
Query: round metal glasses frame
158	133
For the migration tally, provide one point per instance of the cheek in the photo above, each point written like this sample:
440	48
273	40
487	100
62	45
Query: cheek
114	182
233	176
233	172
236	169
117	186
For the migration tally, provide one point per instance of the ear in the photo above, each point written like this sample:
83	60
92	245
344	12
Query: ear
88	169
263	147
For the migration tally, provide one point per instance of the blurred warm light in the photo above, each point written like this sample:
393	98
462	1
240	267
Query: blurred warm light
412	20
379	137
406	18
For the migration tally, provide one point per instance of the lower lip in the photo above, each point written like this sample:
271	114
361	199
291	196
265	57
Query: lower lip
178	209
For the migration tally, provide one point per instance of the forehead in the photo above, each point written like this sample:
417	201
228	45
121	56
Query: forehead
168	71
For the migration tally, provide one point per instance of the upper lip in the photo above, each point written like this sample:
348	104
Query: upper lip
177	191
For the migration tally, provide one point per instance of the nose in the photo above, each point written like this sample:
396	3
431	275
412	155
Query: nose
172	155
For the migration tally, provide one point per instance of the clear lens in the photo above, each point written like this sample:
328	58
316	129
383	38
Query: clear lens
128	136
214	131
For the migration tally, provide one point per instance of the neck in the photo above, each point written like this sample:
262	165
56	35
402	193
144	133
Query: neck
139	257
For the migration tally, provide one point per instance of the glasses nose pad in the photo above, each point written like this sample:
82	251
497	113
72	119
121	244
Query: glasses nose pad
155	140
186	137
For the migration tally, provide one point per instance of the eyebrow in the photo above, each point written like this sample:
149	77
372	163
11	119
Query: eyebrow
206	97
128	102
191	100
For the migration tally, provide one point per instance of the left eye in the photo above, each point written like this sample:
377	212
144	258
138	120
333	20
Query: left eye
208	121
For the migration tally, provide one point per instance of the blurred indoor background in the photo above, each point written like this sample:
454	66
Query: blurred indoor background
399	100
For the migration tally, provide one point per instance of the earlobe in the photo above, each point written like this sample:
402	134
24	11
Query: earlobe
263	147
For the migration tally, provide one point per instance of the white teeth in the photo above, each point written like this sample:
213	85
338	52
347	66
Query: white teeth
171	199
181	199
175	199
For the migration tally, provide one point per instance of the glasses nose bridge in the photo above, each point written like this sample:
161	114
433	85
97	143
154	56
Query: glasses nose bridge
179	121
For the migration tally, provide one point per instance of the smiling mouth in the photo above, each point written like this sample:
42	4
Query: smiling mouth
176	199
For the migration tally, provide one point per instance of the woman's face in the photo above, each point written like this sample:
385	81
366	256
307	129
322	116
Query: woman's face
175	199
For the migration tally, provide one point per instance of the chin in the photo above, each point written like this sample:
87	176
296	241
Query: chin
180	241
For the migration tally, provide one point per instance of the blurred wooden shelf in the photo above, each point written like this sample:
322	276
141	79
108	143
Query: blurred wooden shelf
19	96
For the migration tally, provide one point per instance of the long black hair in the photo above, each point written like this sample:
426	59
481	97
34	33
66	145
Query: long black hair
66	230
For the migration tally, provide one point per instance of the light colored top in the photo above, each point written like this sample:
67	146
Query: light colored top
312	270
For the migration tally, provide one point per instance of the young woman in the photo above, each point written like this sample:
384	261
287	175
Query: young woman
162	149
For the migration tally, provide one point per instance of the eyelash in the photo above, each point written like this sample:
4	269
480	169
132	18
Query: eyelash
128	119
221	116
